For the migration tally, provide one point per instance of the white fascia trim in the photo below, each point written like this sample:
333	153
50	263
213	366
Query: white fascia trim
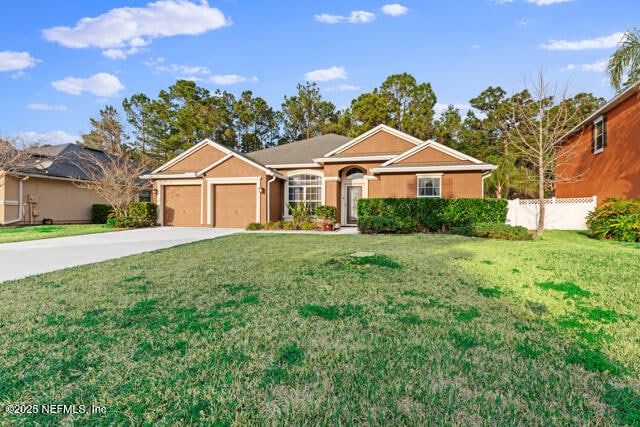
10	202
191	150
304	172
373	131
438	168
235	180
214	164
295	166
169	175
371	158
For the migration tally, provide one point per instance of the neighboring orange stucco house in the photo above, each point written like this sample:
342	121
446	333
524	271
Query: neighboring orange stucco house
605	152
211	185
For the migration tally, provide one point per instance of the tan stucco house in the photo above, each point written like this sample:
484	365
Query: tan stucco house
211	185
44	189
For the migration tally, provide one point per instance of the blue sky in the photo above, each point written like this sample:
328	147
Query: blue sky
61	61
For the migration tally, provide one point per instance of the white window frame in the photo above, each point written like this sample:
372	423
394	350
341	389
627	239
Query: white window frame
599	121
318	174
437	176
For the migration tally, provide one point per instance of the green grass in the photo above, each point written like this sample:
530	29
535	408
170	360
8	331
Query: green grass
293	329
20	234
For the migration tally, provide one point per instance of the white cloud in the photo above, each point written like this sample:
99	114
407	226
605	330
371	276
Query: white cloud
394	9
604	42
101	84
54	138
123	31
188	71
547	2
343	88
229	79
356	17
46	107
16	61
598	66
326	74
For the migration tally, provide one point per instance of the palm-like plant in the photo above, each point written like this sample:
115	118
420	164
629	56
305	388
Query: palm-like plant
625	61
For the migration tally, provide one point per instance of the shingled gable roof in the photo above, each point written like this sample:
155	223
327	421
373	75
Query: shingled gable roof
63	161
299	153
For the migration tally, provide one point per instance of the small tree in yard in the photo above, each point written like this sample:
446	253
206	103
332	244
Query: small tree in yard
113	176
535	127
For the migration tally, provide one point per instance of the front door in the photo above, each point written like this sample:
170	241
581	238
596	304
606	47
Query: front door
354	192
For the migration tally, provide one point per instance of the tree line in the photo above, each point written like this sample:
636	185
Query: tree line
160	128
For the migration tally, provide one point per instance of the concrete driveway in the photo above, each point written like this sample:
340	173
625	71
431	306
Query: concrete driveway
22	259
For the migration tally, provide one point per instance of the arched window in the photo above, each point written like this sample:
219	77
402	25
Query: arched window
354	173
305	188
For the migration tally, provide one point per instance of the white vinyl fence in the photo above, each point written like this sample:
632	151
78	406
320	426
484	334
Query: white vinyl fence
560	214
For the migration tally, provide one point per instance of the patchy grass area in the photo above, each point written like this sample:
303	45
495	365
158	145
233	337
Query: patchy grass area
20	234
292	329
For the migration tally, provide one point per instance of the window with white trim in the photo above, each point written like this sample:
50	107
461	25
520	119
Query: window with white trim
305	188
429	186
599	137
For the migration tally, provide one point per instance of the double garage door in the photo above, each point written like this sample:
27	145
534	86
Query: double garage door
233	205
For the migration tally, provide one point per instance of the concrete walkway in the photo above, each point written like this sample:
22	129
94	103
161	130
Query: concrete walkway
22	259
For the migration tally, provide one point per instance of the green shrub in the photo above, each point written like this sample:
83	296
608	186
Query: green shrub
100	213
300	212
273	225
616	219
307	226
493	231
126	222
326	213
111	222
378	224
430	214
254	226
288	225
144	213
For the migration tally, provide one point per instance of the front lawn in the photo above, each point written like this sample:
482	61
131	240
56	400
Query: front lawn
19	234
294	329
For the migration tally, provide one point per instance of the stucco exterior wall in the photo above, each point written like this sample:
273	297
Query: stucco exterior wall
58	200
379	143
430	155
198	160
614	172
454	185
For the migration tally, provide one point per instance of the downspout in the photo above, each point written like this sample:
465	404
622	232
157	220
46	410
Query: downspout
20	208
485	176
268	198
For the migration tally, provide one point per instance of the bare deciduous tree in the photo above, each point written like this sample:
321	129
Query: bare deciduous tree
536	127
13	157
114	176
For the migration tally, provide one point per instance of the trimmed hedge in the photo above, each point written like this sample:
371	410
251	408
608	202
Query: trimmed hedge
144	213
100	213
493	231
413	215
616	219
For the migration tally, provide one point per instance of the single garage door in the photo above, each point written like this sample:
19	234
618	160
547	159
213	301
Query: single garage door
181	205
234	205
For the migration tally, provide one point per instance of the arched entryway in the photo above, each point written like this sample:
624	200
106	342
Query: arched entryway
354	187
